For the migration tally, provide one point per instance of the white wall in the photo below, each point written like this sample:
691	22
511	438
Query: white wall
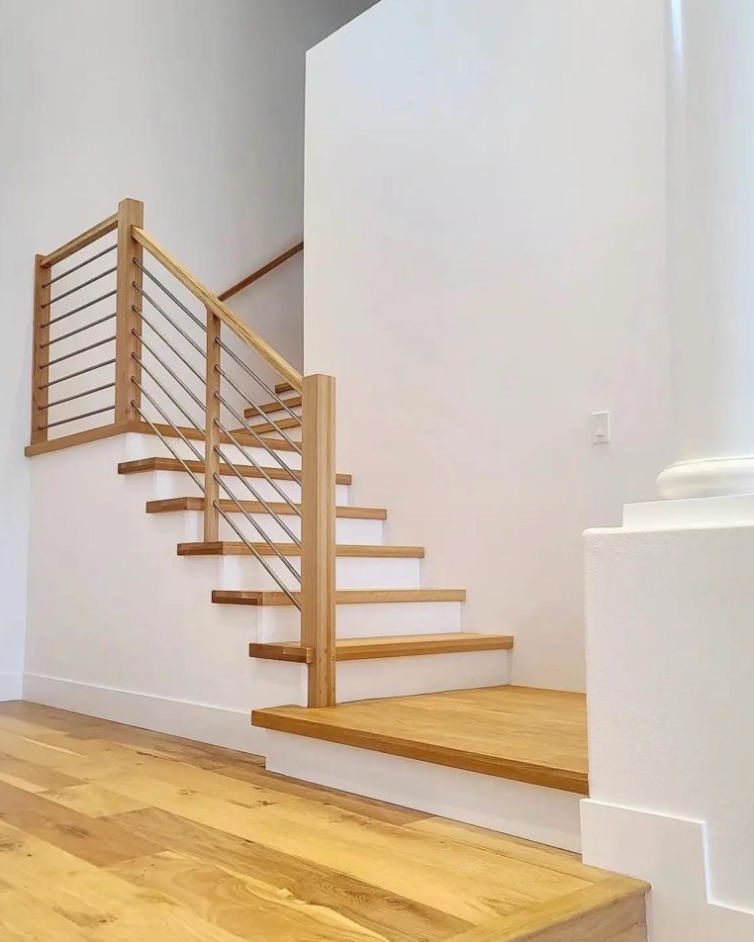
194	107
484	269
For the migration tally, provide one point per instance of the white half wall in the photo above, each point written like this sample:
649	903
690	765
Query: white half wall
484	270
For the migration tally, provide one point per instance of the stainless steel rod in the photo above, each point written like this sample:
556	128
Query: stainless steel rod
261	382
75	418
271	481
88	392
269	569
79	330
88	369
164	365
62	317
242	394
168	420
83	284
169	447
70	271
170	397
253	522
170	294
169	319
75	353
169	345
264	503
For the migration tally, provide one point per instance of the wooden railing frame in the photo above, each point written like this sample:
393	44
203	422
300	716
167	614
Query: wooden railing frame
261	272
318	479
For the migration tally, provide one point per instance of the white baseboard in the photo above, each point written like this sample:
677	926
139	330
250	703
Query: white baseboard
539	814
671	853
11	686
200	721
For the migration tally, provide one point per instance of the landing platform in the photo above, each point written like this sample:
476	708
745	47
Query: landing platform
519	733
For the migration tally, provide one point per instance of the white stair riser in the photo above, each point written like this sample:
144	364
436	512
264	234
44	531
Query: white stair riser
347	530
244	572
282	623
179	484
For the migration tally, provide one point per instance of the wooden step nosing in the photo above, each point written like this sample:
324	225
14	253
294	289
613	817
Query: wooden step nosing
342	596
196	504
148	465
355	550
357	649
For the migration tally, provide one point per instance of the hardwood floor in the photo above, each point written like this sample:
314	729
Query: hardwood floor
520	733
114	834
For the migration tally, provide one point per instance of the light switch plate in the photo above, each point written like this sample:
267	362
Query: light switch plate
600	428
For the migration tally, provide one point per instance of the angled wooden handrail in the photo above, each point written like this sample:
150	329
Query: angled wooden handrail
261	272
80	242
216	306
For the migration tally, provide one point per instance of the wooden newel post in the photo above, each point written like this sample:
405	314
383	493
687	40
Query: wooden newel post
130	214
318	536
40	353
211	458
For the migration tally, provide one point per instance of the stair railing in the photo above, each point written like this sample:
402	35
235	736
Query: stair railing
185	368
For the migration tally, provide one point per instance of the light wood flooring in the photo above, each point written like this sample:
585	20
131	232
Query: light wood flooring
114	834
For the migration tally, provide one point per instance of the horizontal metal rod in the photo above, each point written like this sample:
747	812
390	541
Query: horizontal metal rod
88	369
164	365
169	345
83	307
169	447
83	284
170	397
261	382
75	353
79	330
169	319
168	420
80	265
88	392
170	294
75	418
263	502
295	445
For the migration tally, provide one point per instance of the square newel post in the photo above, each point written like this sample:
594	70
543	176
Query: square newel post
40	352
130	215
318	536
212	432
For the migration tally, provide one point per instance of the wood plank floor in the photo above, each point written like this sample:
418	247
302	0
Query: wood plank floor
521	733
114	834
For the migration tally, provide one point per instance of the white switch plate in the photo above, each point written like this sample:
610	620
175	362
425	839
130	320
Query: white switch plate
600	428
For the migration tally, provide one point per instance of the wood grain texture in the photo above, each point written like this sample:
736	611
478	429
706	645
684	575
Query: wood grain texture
143	837
342	596
261	272
214	304
212	439
80	242
266	408
40	354
365	550
177	504
519	733
265	428
78	438
359	649
128	322
145	465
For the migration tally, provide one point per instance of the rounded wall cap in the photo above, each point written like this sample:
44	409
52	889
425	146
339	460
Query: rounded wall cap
715	477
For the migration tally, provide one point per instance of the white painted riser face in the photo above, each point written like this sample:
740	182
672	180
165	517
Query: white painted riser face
348	531
281	623
178	484
539	814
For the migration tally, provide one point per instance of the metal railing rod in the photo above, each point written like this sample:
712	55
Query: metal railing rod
269	569
261	382
271	481
70	271
295	445
75	418
169	447
168	394
170	294
88	369
169	345
87	392
75	353
264	503
167	419
79	330
83	284
62	317
260	530
164	365
168	318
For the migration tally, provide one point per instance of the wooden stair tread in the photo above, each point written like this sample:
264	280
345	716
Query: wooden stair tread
281	388
267	407
237	548
519	733
175	504
264	428
342	597
241	435
142	465
355	649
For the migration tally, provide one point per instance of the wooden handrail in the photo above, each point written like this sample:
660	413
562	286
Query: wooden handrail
216	306
261	272
80	242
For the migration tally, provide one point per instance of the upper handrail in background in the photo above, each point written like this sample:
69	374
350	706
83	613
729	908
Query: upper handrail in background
261	272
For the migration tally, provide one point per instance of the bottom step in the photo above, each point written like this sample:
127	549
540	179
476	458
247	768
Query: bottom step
342	597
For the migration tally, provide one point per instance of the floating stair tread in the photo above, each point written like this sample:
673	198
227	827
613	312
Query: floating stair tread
521	733
176	504
270	407
142	465
342	597
237	548
281	388
265	428
357	649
